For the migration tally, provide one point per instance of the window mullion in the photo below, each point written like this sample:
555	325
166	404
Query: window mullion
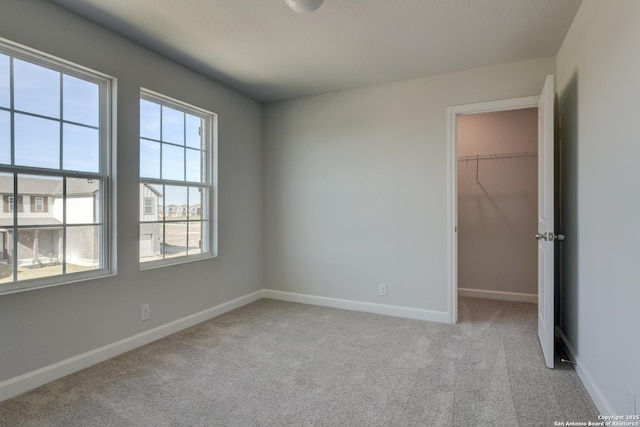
60	141
52	172
103	134
188	216
12	113
104	249
204	130
161	144
15	227
164	221
64	225
184	148
173	182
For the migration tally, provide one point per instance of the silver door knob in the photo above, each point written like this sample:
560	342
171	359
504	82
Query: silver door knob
541	236
553	236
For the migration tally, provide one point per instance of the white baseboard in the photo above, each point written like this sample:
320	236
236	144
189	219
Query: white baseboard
368	307
504	296
590	385
15	386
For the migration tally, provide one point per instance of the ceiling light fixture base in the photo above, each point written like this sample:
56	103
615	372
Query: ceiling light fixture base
304	6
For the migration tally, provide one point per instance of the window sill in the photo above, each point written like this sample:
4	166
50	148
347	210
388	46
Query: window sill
150	265
45	282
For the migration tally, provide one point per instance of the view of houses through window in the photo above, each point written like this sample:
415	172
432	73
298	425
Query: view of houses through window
53	170
51	228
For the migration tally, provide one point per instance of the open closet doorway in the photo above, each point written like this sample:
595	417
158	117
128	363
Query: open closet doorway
497	204
477	168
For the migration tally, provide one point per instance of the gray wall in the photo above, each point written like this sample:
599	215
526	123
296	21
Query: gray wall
356	185
497	213
598	90
41	327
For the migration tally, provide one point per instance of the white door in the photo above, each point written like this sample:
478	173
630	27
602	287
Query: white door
546	233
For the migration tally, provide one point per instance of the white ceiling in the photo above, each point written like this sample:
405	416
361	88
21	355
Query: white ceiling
265	50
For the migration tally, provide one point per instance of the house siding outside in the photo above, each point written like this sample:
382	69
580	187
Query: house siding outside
150	232
44	244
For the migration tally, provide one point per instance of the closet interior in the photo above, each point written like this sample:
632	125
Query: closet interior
497	204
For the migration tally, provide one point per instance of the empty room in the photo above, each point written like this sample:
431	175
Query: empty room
319	212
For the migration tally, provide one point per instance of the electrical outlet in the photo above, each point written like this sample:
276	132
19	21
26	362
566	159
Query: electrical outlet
382	289
145	311
632	408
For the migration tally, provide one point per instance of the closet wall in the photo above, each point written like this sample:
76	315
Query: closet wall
497	204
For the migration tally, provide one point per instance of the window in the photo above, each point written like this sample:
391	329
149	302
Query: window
55	159
9	204
148	205
38	204
177	149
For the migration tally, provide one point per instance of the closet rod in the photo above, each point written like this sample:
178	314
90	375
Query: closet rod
523	154
496	157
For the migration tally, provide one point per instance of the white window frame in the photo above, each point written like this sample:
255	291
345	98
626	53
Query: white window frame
148	207
39	208
11	203
106	86
209	135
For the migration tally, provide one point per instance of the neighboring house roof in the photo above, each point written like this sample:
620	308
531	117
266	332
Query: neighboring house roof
46	186
23	220
80	187
150	187
29	185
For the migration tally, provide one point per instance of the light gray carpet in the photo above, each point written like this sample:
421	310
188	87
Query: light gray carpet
274	363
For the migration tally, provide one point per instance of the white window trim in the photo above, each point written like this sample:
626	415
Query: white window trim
35	203
107	85
211	134
148	207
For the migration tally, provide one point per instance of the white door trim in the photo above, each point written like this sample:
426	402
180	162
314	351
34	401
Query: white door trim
452	183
